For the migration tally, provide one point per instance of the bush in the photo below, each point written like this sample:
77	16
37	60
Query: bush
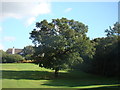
28	57
14	58
10	58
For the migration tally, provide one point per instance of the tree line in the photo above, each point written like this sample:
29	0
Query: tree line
106	59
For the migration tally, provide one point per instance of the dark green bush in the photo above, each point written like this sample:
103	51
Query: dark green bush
10	58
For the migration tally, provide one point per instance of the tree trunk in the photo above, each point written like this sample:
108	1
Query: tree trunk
56	71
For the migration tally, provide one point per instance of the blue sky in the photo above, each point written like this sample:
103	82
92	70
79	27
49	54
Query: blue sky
18	19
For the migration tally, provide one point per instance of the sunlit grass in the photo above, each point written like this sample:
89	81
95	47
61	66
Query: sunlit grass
98	86
25	75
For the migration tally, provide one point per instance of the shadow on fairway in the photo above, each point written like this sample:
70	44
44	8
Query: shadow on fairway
30	75
66	79
84	84
84	80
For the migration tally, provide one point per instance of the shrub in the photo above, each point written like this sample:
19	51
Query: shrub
14	58
10	58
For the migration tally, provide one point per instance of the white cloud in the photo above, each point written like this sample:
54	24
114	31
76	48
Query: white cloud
41	8
25	10
8	38
68	10
30	21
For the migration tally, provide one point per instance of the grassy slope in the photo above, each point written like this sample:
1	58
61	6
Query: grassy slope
26	75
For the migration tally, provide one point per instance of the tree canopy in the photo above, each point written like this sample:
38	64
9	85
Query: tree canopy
113	31
61	43
106	60
28	52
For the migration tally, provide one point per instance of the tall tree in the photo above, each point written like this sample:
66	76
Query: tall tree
60	43
28	52
106	60
113	31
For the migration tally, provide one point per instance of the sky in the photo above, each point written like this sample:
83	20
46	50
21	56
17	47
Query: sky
17	19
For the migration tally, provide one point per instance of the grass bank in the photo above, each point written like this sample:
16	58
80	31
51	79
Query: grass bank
26	75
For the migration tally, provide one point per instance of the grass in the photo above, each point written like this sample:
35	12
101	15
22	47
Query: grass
26	75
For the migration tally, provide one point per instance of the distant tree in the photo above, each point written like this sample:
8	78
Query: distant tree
3	56
106	60
28	52
10	58
61	43
113	31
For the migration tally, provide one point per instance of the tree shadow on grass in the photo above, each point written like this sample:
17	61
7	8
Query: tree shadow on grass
82	80
30	75
66	79
81	84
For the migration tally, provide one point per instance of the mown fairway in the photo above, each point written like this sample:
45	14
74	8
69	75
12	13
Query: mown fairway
24	75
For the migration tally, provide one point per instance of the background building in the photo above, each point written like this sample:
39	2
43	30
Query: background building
14	51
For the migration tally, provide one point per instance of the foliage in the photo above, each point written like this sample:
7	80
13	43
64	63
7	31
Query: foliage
28	52
106	60
60	43
3	55
113	31
10	58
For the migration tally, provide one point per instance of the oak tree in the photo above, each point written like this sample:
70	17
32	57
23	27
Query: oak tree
61	43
